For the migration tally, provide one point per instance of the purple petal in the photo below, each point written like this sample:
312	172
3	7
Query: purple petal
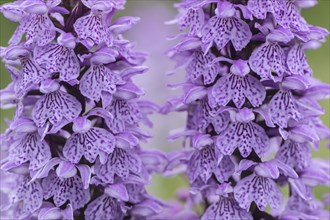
194	93
120	163
259	8
289	17
13	11
245	137
42	173
66	170
225	169
31	148
204	162
296	155
260	190
56	58
104	207
297	61
267	59
99	78
92	27
85	174
129	91
39	29
88	144
267	169
56	213
237	88
282	107
192	19
31	195
201	66
61	190
55	107
126	140
124	114
245	164
154	160
222	30
146	208
226	208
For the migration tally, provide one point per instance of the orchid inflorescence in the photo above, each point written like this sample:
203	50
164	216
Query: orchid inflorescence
73	144
252	110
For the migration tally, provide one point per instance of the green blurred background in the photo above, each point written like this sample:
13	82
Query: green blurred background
166	187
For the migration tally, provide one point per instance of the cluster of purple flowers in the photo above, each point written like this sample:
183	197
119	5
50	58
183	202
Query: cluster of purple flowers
73	144
253	115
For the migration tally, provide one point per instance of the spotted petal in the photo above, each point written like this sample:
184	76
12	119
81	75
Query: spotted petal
92	27
204	162
30	195
282	107
31	72
259	8
90	144
222	30
238	88
226	208
64	189
121	163
98	79
30	149
297	61
267	60
56	58
296	155
200	66
55	107
199	118
245	137
260	190
39	29
192	19
124	113
104	207
289	17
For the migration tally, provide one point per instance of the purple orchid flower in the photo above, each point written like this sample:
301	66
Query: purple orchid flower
252	110
72	148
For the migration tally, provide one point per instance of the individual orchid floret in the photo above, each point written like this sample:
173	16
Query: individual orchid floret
206	160
269	60
99	81
252	109
59	57
55	107
259	189
72	149
34	21
121	163
237	86
30	72
232	28
243	134
63	189
93	28
28	147
88	141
